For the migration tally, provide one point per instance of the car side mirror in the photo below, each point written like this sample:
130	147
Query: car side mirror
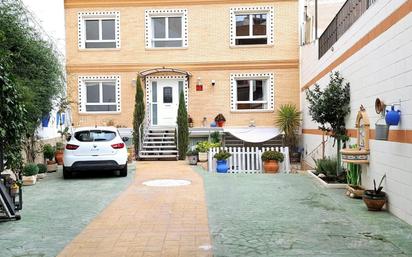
125	139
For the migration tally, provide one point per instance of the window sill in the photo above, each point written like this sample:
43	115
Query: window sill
165	48
98	49
251	46
96	113
252	111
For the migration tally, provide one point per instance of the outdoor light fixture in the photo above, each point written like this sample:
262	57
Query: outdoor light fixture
199	84
213	82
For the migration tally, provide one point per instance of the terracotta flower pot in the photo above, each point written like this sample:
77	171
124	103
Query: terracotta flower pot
271	166
59	157
220	124
374	202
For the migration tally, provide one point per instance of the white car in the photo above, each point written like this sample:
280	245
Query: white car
95	148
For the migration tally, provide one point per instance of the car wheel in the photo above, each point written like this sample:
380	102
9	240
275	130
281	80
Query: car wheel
123	172
66	173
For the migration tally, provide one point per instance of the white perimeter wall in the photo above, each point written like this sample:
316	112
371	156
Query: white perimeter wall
382	69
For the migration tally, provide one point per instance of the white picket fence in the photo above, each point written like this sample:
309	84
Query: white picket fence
248	159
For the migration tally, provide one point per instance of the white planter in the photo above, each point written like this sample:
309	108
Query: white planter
202	157
51	167
324	184
41	175
29	180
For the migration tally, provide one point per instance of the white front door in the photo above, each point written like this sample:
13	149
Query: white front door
167	102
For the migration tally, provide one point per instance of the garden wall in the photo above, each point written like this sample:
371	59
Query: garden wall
375	56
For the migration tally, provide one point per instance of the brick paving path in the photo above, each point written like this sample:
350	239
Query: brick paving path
150	221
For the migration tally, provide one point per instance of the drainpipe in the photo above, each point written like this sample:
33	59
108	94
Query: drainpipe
316	19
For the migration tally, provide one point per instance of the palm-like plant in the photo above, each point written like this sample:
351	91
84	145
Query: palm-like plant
288	121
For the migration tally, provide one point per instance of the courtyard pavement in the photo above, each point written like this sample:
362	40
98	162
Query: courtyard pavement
291	215
56	210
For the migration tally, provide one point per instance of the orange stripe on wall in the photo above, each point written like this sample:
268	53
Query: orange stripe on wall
378	30
399	136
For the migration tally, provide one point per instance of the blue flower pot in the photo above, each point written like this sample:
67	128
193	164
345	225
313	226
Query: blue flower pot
393	116
222	166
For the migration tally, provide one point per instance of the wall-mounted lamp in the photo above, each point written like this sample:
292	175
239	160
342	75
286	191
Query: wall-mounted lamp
213	82
199	84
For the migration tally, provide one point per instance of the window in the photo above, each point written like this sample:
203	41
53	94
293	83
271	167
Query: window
99	94
94	135
252	26
166	28
167	95
99	30
251	92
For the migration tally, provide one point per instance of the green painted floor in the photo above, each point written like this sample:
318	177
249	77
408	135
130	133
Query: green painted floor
290	215
56	210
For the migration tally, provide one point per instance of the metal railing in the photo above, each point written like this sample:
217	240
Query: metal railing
350	12
145	126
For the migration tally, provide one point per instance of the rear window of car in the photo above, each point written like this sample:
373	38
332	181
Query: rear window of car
94	135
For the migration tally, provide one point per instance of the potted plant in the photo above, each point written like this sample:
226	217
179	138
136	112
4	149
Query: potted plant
58	156
271	161
30	171
221	158
203	147
48	153
375	199
288	121
353	177
192	157
42	171
220	120
190	121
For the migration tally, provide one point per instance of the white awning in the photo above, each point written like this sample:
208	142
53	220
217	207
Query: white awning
253	134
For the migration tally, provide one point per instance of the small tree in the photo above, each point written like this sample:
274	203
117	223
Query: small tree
329	108
183	126
138	115
288	121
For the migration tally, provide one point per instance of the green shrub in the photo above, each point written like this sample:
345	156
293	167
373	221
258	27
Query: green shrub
49	152
272	156
204	146
192	153
182	124
326	166
222	155
42	168
59	146
215	137
30	169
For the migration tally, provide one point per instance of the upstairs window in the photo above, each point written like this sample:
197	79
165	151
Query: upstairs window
251	26
166	28
99	30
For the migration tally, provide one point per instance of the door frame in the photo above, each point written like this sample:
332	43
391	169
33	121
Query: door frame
150	79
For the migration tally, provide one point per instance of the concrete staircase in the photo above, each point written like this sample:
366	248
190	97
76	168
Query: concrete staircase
159	143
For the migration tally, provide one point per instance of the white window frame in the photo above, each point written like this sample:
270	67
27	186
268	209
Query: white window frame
82	93
165	13
100	16
251	10
269	82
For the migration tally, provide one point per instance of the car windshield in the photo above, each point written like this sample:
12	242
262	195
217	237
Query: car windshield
94	135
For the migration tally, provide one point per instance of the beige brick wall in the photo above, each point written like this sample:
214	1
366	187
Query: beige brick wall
206	56
208	37
207	103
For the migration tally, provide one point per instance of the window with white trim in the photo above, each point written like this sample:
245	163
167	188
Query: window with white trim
99	30
99	94
250	92
251	25
166	28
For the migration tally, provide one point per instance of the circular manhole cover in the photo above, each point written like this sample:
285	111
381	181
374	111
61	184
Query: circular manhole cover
167	183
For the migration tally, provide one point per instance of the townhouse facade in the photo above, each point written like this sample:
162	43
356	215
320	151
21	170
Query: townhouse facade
238	58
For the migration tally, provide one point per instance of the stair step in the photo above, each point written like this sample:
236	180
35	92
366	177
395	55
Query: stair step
158	138
160	134
158	142
157	151
160	146
169	156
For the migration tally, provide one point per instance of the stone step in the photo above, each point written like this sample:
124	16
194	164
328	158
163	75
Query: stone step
159	146
150	157
145	152
160	134
158	142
